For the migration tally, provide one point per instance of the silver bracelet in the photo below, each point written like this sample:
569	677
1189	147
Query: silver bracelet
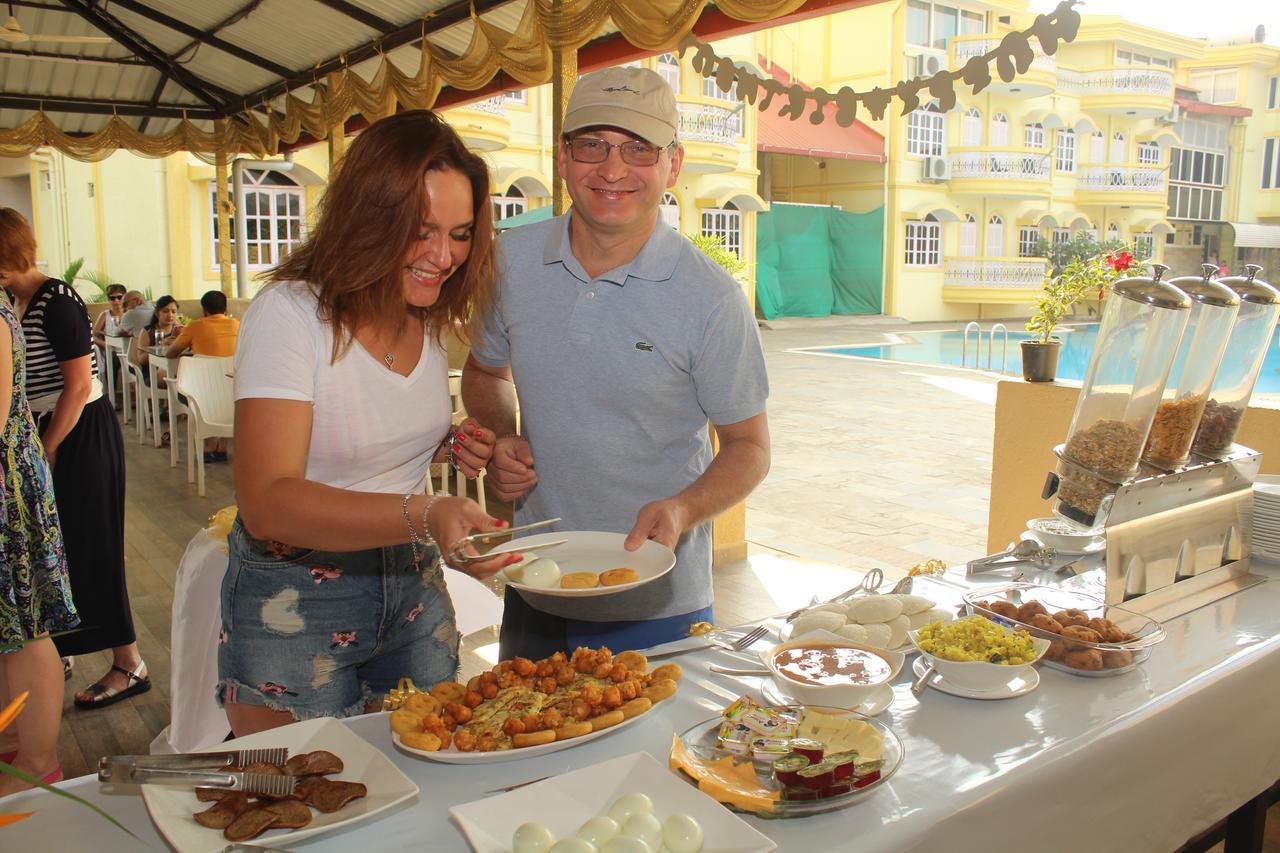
415	544
429	541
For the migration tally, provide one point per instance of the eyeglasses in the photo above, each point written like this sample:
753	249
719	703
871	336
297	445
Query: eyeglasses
119	297
588	149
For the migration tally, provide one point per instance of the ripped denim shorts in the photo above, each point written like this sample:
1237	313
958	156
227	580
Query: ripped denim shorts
323	633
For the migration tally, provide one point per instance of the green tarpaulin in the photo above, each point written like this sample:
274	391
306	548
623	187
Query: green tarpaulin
538	214
816	261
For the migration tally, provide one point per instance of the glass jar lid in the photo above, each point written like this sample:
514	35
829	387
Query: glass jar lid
1153	291
1204	289
1251	288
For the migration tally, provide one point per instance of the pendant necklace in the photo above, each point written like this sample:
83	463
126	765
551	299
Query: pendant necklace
390	360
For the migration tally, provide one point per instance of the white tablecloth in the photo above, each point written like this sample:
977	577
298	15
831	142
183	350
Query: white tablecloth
1137	762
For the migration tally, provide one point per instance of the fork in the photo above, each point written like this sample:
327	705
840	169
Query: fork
747	639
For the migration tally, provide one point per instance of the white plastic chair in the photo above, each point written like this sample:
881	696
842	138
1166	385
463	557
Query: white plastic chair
177	409
107	370
118	348
141	394
210	396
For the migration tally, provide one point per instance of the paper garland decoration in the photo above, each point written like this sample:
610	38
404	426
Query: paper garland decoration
1012	57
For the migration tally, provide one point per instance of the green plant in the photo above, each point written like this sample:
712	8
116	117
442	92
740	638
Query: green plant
1081	246
1080	277
713	247
94	286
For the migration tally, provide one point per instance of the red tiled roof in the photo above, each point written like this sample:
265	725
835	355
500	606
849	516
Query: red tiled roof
777	134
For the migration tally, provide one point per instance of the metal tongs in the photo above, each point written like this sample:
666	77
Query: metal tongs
202	770
458	557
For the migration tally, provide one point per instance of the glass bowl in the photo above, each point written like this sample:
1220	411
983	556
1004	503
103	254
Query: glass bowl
1068	654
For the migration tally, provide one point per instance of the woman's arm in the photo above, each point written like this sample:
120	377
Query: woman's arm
77	381
137	355
100	328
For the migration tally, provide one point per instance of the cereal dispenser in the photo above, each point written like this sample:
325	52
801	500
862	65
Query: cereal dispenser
1142	323
1241	362
1213	313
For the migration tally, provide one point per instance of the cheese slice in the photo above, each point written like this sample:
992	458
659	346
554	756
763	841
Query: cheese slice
723	780
841	734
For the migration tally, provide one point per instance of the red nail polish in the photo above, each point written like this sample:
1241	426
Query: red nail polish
476	434
462	436
502	522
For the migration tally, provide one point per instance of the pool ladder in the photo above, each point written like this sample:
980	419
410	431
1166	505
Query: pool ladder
972	326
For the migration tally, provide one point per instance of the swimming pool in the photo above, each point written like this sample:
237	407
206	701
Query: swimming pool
944	348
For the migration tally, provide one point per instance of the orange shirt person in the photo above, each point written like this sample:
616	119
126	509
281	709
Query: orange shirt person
213	334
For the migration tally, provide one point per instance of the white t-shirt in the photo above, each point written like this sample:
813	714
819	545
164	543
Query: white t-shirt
372	430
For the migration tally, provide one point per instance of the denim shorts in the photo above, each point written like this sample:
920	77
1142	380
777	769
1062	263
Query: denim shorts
322	633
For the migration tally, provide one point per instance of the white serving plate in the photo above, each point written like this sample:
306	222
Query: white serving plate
593	551
171	808
1022	683
453	756
877	703
563	803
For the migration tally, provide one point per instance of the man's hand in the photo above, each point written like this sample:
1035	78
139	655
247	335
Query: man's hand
510	469
471	447
662	521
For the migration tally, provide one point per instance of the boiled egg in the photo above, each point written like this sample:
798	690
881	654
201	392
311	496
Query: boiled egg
573	845
646	827
515	572
626	844
682	834
630	804
540	572
598	830
532	837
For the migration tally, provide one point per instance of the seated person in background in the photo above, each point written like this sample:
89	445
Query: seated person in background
137	313
213	334
159	332
108	322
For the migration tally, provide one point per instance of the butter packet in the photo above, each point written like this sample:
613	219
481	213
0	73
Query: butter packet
769	723
770	746
737	708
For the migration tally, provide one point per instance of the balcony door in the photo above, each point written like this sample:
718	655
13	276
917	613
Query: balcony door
971	128
995	236
1000	130
969	237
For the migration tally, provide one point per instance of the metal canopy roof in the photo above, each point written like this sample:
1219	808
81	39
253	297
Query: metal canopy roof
212	58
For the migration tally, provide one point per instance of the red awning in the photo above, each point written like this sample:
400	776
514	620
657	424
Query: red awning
777	134
1193	106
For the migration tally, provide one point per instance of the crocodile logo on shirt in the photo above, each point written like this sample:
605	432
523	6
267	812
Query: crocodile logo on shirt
644	346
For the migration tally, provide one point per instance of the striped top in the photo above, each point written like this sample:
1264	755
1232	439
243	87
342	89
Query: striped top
56	326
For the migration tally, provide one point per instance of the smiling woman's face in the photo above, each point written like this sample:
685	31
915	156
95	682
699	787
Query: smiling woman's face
444	239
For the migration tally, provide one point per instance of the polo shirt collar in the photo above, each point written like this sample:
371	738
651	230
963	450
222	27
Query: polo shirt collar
655	262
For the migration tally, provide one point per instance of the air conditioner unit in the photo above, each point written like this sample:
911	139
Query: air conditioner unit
1172	116
925	64
935	170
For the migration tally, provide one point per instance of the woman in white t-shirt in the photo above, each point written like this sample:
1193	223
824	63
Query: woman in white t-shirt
333	590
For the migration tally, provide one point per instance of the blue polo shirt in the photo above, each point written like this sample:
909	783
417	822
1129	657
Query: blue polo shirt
618	377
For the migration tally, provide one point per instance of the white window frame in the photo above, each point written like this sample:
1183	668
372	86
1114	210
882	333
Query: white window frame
995	236
520	96
1060	236
923	242
971	127
1119	150
1113	231
1028	238
1097	147
1271	163
505	206
1064	159
725	223
1147	239
926	132
668	67
1216	85
1033	136
969	236
999	130
272	249
669	210
1273	92
1149	153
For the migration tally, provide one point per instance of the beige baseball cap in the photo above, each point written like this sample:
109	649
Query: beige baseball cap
636	100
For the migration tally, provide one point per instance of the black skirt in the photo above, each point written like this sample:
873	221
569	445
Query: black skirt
88	485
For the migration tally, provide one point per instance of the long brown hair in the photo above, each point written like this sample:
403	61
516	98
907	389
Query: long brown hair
17	242
369	217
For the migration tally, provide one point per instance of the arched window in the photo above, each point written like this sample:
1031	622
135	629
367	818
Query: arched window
275	209
1033	135
510	204
971	127
923	242
725	223
1119	150
669	68
1149	152
926	131
995	236
1028	241
670	210
969	236
1000	130
1113	232
1097	147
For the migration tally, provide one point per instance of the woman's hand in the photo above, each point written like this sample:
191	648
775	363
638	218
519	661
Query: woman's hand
450	519
471	446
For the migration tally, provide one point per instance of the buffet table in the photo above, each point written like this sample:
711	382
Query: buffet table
1140	761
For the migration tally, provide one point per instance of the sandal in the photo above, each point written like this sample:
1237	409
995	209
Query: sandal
66	669
139	682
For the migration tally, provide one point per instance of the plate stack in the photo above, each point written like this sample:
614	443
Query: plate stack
1266	516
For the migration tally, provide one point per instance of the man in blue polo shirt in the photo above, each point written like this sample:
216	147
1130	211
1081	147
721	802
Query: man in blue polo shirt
624	341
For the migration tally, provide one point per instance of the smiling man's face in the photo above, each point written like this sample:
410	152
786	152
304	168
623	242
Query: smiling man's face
615	196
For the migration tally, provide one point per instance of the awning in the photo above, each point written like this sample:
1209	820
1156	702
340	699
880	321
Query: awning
1250	235
777	134
1192	105
538	214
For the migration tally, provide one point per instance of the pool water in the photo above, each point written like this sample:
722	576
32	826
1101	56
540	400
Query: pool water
945	348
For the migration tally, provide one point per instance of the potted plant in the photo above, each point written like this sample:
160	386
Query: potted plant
1081	277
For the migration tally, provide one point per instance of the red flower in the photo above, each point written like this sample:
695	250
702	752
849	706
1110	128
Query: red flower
1120	261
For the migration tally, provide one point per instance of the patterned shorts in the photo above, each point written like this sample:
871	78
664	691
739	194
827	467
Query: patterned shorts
321	633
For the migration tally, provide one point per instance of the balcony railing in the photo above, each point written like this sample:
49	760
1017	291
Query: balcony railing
709	123
1121	178
1000	165
495	105
967	48
1130	80
994	272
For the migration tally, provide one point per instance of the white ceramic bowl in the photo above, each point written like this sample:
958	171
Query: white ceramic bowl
976	674
832	695
1052	531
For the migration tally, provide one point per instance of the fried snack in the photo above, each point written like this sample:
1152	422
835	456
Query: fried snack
633	661
1030	609
1007	609
1057	650
1045	622
579	580
605	720
572	729
617	577
668	670
249	825
212	795
425	741
541	738
1116	659
659	689
1071	617
403	721
636	707
264	768
329	796
449	691
422	704
1081	633
1109	631
1090	659
222	813
290	814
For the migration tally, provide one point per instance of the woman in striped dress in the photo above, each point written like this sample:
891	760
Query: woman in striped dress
85	448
